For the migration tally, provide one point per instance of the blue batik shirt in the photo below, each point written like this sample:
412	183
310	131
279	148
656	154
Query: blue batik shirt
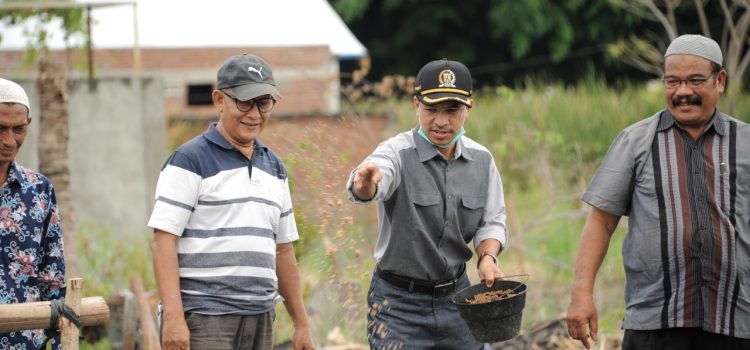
32	266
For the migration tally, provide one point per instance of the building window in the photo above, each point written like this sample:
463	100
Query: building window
199	94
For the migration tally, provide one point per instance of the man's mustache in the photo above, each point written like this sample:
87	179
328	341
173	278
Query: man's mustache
690	100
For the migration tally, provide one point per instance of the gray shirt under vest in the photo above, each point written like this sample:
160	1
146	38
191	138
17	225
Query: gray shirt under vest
429	209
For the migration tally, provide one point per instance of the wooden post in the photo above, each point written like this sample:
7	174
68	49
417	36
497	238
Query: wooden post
148	328
18	317
129	320
69	332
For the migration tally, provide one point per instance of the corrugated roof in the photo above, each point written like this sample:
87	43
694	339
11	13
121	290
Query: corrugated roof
214	23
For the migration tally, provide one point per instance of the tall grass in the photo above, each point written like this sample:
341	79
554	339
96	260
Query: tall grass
547	142
108	260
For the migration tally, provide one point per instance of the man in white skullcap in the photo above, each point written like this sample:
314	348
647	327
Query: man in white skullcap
32	266
681	176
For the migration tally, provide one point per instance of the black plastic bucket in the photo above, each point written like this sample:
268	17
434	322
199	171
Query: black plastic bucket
496	320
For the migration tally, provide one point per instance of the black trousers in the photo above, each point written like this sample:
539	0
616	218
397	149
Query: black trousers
681	339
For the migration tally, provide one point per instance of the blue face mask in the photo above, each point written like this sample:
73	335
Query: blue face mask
445	145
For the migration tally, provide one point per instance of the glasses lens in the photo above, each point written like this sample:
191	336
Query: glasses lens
265	104
244	106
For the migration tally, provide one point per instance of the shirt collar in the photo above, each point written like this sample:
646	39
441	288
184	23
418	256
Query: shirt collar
15	175
666	121
427	151
213	135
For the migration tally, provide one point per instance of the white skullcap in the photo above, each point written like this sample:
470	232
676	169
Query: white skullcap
12	92
696	45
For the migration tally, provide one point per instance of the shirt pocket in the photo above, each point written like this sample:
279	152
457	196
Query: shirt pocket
471	215
425	199
428	213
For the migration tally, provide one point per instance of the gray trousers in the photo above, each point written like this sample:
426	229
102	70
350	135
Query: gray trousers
229	332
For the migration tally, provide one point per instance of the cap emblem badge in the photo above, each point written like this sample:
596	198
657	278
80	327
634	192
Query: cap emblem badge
447	78
252	69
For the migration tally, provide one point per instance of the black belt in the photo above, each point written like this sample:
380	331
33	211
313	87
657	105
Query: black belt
437	289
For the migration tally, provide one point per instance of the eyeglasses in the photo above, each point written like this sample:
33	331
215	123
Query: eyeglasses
692	82
265	104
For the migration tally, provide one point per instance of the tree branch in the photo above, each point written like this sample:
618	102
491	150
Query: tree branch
671	28
702	17
635	9
742	67
728	20
743	24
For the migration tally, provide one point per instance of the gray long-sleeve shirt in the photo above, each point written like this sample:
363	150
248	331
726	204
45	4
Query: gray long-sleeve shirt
429	209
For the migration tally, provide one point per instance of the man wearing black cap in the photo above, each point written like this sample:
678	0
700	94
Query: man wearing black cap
437	190
224	226
681	176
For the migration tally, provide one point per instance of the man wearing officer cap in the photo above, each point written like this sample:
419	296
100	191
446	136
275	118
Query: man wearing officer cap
32	264
224	226
436	191
681	176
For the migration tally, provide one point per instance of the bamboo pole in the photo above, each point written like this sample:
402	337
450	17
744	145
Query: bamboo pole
15	317
129	320
69	332
150	339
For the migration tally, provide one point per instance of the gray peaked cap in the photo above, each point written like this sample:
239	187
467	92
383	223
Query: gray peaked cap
696	45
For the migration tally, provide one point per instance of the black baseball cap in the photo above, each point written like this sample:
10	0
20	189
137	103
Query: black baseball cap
247	77
443	80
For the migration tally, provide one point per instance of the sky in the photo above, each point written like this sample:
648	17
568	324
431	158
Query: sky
214	23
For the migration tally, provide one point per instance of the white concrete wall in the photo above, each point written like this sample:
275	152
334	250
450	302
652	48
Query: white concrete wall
118	143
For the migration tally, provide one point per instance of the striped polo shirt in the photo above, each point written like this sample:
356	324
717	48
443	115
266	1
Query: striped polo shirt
687	249
230	212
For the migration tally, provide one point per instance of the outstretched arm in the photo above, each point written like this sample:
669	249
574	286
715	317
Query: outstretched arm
582	317
365	182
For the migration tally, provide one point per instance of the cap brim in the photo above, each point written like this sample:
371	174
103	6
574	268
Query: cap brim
436	98
251	91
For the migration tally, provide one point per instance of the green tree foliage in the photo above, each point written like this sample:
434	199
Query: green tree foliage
502	41
72	20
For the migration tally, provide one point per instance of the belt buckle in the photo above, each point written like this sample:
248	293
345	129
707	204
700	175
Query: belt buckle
444	289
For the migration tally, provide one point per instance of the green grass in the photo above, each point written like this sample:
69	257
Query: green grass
108	263
547	142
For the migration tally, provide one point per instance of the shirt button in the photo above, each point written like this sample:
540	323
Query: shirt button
450	196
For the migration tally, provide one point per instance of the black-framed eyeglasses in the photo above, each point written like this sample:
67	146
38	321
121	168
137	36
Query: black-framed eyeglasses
693	82
265	104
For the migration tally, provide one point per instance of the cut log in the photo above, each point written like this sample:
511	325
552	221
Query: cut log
14	317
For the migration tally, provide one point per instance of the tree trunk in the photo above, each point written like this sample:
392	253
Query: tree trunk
53	152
